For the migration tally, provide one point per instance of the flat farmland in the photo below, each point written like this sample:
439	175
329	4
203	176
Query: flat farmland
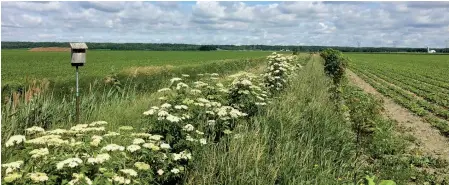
18	65
419	82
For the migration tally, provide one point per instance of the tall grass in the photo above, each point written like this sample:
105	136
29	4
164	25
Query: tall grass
56	108
299	139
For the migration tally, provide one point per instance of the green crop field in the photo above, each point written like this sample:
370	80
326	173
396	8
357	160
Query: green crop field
18	65
417	82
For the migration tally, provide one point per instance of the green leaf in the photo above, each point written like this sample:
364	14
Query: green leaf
387	182
370	180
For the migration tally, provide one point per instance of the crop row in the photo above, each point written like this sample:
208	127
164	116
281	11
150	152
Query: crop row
424	78
434	109
432	96
405	99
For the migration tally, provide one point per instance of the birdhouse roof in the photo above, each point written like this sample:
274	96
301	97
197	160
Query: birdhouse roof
80	45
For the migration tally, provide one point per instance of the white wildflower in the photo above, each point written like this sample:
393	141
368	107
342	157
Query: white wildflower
133	148
113	147
151	146
149	112
203	141
12	177
109	134
181	85
156	137
98	123
96	140
162	113
160	172
199	132
16	139
163	90
181	107
138	141
175	170
101	158
57	131
203	100
188	128
12	166
165	146
78	178
142	166
121	180
129	172
38	177
34	129
173	119
165	106
211	122
36	153
175	80
70	162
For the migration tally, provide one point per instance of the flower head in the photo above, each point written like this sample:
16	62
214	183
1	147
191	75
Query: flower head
133	148
34	129
113	147
129	172
36	153
70	162
101	158
13	140
142	166
38	177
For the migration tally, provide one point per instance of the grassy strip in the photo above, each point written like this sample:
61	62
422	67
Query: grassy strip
413	106
299	139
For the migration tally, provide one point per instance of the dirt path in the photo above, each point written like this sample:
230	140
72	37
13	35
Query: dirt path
428	139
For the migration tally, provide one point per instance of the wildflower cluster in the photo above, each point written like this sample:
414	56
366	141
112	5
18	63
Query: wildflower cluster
188	115
279	68
244	93
85	154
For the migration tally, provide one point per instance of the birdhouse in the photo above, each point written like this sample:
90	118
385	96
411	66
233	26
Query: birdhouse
78	53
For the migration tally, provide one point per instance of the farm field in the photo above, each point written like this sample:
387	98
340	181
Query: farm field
213	123
418	82
18	65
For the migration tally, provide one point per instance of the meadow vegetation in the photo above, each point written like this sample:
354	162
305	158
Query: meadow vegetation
273	120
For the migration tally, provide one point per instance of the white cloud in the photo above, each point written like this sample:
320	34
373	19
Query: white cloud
308	23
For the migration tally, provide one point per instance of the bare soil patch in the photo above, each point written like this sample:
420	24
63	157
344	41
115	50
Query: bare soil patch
44	49
428	139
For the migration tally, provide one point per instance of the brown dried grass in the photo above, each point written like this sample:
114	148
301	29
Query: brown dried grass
43	49
146	70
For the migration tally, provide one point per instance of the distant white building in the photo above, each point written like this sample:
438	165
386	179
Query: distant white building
430	51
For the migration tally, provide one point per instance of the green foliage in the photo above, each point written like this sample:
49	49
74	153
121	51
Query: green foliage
370	181
334	64
207	48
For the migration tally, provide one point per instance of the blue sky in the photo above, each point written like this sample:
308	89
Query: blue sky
401	24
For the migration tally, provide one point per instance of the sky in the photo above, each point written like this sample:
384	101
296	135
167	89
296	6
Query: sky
371	24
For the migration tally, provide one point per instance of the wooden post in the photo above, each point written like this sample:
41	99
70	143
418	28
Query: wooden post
77	98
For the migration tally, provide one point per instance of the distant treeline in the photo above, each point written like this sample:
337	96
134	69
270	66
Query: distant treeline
193	47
